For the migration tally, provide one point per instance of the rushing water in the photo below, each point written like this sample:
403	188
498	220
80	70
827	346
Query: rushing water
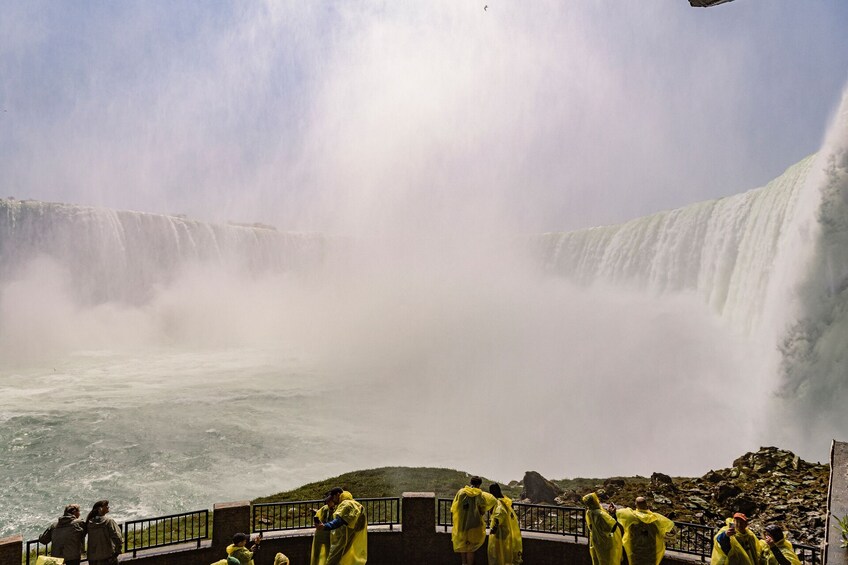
168	364
180	425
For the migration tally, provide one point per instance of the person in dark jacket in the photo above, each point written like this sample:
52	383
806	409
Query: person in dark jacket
104	536
67	534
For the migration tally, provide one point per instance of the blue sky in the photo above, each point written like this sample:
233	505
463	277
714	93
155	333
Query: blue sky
420	116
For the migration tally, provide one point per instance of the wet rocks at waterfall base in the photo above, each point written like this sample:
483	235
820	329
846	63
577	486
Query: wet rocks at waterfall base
769	486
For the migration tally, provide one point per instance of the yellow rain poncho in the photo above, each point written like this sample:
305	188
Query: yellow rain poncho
281	559
244	556
349	544
783	546
644	535
604	533
505	545
468	511
744	548
321	541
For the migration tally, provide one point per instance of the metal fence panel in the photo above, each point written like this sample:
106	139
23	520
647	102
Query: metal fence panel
278	516
162	531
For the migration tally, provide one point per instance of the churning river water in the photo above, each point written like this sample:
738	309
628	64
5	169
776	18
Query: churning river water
165	431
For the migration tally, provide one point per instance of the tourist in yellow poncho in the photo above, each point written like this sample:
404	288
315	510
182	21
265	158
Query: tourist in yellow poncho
644	533
735	544
604	533
469	523
775	549
348	530
505	545
321	541
239	551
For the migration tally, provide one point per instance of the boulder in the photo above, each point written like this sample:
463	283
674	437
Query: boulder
713	477
661	479
744	504
539	489
725	490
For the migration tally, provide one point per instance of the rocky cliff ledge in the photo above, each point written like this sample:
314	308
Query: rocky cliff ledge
770	485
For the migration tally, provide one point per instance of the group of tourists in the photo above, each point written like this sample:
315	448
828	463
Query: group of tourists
341	534
468	513
641	534
341	531
68	535
637	532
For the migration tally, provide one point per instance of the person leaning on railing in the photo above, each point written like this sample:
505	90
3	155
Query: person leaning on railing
105	541
349	530
644	533
775	549
321	541
468	509
67	535
505	544
605	532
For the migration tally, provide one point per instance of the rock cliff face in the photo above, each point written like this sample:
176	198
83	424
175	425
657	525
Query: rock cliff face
770	486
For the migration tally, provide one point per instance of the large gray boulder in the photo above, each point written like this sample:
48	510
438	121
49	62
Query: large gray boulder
540	490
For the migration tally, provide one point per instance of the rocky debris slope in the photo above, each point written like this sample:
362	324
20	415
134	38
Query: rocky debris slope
769	486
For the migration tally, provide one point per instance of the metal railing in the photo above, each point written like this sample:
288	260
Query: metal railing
694	539
808	554
443	513
162	531
277	516
34	548
149	533
382	511
563	520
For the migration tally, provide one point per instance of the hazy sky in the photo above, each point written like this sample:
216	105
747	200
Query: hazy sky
370	116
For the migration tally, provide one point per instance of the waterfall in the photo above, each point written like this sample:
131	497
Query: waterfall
122	256
772	262
721	249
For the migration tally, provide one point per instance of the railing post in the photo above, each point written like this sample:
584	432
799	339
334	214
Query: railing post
228	519
837	504
418	528
11	550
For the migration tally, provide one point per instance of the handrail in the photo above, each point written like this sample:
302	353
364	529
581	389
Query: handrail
564	520
692	539
162	531
297	515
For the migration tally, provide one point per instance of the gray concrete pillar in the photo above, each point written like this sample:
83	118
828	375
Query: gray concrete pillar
228	519
420	540
837	505
11	550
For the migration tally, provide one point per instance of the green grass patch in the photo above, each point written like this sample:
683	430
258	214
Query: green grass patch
387	482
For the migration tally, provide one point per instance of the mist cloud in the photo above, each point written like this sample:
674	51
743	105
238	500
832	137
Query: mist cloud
378	117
